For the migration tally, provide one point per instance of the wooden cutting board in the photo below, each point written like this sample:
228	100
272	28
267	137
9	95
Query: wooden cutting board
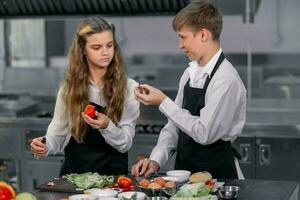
60	185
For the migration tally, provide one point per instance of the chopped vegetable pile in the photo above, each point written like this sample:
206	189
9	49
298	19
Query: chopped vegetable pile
89	180
194	190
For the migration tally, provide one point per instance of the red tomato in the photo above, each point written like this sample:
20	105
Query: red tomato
124	183
90	111
210	183
5	194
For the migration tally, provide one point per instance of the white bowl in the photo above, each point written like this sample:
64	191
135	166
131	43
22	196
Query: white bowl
81	197
101	193
171	178
180	175
128	195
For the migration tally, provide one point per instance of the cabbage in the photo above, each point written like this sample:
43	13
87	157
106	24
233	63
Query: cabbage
89	180
193	190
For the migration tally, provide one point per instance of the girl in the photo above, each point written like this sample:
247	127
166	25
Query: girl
95	76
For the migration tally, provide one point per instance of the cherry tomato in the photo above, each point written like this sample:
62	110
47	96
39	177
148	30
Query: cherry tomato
90	111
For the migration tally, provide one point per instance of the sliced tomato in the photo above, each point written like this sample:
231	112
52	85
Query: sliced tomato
210	183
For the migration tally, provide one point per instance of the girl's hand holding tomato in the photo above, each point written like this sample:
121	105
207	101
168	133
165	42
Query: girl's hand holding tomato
100	121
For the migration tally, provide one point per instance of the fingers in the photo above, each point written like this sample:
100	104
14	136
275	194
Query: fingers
40	153
144	89
37	147
135	170
86	118
153	167
141	97
144	166
145	86
139	94
102	121
149	171
93	122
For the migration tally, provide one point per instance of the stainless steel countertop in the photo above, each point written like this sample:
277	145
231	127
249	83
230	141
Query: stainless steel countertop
249	189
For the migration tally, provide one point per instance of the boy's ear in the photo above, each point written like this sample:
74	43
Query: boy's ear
205	35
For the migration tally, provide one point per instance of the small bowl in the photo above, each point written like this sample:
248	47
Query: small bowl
81	197
128	195
157	198
101	193
228	192
180	175
171	178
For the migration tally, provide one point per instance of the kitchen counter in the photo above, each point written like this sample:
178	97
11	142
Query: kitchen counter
266	189
249	190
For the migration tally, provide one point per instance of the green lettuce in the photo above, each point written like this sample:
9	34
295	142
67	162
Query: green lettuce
89	180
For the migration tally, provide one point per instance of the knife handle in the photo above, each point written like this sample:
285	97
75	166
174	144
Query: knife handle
43	141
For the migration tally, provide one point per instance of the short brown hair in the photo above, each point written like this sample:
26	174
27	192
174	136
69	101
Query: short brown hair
199	14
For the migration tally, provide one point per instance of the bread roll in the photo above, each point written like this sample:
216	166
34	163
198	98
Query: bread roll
154	185
200	177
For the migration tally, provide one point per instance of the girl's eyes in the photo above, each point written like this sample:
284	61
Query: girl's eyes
97	47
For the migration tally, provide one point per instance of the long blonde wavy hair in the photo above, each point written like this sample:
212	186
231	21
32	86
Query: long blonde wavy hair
76	83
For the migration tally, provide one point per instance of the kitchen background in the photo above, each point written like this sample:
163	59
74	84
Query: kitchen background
260	38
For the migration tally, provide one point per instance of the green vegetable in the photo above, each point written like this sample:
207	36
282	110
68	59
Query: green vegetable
89	180
194	190
25	196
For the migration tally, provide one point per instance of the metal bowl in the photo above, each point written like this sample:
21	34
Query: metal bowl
150	192
157	198
228	192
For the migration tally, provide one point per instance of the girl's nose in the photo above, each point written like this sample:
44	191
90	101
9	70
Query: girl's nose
104	51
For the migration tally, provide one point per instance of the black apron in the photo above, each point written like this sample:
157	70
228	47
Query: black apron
93	155
216	158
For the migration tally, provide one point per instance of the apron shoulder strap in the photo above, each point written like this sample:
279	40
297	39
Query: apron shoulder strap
220	60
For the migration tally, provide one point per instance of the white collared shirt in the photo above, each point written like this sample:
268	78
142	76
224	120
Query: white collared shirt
120	137
222	117
198	74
